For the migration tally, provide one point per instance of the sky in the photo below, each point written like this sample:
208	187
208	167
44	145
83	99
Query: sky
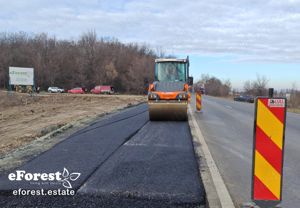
229	39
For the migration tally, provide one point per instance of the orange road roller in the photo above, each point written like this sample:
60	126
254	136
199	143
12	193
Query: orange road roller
168	95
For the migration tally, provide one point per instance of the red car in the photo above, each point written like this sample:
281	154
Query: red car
103	90
77	90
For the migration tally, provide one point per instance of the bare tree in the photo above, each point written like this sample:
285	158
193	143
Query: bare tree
110	73
294	101
87	62
214	86
226	88
260	85
257	87
248	87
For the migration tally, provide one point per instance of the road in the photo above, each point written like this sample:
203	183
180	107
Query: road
228	130
124	160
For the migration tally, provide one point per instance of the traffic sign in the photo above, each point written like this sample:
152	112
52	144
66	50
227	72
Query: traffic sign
268	149
198	101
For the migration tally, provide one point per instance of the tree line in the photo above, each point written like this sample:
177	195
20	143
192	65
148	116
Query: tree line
258	87
85	62
214	86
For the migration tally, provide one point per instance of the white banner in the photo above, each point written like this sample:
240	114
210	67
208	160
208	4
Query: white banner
21	76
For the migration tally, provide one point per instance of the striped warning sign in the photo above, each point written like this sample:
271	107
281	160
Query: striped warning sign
268	146
198	101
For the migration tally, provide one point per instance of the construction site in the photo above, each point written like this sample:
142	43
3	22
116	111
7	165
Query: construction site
161	104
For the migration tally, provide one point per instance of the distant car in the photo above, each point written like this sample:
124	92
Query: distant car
77	90
244	98
202	90
55	90
103	90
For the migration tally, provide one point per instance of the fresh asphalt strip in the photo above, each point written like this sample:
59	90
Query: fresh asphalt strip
124	160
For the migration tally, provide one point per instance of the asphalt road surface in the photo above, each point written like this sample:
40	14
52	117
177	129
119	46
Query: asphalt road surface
124	160
228	130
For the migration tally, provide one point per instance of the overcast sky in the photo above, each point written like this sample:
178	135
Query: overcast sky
229	39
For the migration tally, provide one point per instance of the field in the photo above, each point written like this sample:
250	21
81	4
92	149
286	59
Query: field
24	118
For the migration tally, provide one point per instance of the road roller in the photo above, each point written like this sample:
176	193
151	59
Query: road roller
168	95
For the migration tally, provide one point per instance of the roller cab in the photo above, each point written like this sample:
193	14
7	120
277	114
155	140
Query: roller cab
168	95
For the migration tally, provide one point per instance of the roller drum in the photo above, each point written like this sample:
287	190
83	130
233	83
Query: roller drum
168	111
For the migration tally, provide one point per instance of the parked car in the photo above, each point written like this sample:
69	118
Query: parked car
101	89
55	90
77	90
244	98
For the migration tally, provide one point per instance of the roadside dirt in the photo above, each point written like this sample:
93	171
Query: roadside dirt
25	118
289	109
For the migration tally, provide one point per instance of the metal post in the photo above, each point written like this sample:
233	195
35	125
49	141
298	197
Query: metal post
271	92
9	92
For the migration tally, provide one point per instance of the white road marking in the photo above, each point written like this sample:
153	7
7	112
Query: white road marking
235	152
223	194
152	145
227	106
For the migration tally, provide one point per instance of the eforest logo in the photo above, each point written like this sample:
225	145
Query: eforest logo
64	177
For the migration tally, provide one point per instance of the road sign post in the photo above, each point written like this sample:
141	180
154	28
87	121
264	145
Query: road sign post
268	149
198	101
271	92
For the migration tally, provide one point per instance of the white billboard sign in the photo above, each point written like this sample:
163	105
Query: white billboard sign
21	76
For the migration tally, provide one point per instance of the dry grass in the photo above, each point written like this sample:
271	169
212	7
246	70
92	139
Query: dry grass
23	118
294	102
294	110
13	99
291	106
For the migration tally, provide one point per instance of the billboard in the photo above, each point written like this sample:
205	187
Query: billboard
21	76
